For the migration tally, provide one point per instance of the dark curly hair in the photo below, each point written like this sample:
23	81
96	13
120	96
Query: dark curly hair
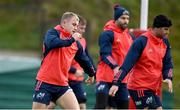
161	21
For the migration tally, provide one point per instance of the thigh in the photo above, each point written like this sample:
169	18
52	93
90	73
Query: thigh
122	93
68	101
37	105
44	93
102	95
158	101
59	91
101	101
121	99
79	91
51	105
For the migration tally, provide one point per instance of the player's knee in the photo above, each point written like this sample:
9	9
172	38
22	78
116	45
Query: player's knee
52	105
82	106
37	105
82	100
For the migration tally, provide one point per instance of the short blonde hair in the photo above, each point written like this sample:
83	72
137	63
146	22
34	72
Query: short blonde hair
68	15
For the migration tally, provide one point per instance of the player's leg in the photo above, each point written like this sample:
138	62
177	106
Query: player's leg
145	99
111	103
158	102
79	92
82	106
37	105
59	92
102	95
137	99
51	105
159	93
68	100
122	97
101	101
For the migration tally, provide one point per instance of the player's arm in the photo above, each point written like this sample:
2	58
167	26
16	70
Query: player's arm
87	53
52	40
167	70
72	70
167	62
132	57
105	43
90	80
76	72
84	61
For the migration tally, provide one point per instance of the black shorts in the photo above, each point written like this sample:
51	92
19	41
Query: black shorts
122	94
44	92
77	87
145	98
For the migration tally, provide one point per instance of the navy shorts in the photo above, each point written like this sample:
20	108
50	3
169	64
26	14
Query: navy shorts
121	95
44	92
77	87
145	98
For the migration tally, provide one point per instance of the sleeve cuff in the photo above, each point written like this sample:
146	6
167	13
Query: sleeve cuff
114	66
116	83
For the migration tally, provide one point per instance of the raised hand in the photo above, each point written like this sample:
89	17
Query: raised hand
79	73
116	70
169	82
113	90
76	36
89	80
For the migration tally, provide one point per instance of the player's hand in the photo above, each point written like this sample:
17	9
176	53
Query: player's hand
89	80
76	36
170	87
79	73
116	70
113	90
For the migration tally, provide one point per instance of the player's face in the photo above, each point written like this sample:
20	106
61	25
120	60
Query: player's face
123	21
81	28
71	24
164	31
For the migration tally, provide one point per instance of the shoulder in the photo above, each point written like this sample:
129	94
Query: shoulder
132	35
166	41
107	35
141	39
107	32
52	31
140	42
